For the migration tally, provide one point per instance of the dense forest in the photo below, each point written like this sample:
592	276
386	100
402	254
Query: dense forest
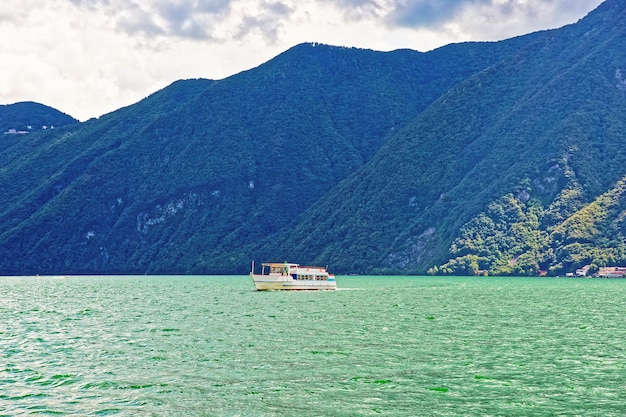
495	157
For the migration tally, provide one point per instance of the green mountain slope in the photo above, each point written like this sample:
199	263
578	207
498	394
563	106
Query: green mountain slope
595	235
515	236
190	179
545	125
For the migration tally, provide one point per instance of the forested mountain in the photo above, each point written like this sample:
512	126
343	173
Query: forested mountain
544	127
472	156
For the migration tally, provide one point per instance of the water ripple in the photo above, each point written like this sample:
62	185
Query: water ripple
395	346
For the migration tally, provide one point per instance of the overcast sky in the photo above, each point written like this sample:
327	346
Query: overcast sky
89	57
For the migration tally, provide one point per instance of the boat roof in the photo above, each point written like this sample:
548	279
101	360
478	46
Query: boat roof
278	264
284	264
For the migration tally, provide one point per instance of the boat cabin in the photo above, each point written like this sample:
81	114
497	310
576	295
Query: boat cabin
297	272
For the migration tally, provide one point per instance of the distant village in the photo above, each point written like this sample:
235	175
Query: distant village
586	271
25	132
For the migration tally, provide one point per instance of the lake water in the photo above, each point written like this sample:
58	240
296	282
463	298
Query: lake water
391	346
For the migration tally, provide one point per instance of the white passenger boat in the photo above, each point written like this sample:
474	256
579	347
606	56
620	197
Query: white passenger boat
287	276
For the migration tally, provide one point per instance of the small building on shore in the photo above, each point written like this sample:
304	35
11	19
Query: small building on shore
612	272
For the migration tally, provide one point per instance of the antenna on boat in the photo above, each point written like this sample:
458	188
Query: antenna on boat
252	270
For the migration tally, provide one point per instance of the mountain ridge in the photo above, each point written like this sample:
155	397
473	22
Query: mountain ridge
224	133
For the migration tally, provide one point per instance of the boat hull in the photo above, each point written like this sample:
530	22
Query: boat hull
278	283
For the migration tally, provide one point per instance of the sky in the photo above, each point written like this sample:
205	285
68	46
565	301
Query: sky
90	57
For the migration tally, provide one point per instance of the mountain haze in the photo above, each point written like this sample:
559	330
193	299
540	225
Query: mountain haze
474	156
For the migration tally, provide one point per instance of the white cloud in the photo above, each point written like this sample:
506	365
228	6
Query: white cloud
89	57
500	19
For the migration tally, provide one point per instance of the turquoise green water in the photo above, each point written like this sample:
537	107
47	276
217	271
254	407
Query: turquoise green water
392	346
